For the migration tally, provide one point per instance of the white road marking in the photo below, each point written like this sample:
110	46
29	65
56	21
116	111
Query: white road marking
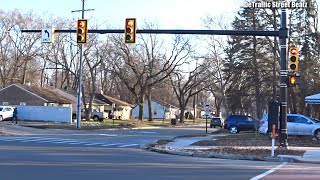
127	145
61	141
148	132
111	135
269	172
91	144
105	145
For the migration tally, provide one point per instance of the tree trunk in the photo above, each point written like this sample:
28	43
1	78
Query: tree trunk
141	107
150	106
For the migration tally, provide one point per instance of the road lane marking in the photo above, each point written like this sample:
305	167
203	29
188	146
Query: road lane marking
111	135
105	145
91	144
269	172
127	145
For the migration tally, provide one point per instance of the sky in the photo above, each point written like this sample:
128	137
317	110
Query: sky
166	14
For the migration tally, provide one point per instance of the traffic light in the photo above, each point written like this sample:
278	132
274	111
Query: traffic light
294	79
130	31
293	59
82	31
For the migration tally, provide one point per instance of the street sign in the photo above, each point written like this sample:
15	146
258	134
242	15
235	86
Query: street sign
47	35
207	107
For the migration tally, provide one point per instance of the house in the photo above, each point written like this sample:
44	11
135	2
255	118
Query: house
160	110
97	105
119	109
36	103
32	96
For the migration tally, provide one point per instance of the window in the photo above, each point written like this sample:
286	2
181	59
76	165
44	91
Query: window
291	119
301	120
5	103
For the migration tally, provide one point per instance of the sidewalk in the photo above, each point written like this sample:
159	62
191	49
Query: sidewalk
183	147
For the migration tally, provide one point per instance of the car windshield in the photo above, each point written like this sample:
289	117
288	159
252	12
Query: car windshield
316	120
1	108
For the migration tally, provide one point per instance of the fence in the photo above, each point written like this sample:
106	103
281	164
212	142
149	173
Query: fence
44	113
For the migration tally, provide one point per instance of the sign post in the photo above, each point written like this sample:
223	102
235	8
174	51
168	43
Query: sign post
207	108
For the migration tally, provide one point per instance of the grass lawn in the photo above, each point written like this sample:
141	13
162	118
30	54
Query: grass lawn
110	123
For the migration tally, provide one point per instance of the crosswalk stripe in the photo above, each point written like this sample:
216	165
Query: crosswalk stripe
106	145
91	144
127	145
25	139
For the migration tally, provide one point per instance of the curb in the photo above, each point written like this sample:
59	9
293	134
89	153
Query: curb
182	152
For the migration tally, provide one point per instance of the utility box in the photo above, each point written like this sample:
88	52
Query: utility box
273	115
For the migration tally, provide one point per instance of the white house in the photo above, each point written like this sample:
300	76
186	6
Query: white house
160	110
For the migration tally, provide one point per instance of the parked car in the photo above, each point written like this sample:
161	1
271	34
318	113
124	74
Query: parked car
297	124
216	121
237	123
208	116
95	115
6	112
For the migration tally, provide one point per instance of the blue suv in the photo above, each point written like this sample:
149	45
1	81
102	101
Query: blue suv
237	123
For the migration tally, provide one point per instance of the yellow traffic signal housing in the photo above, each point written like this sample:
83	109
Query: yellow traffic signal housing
293	59
130	31
82	31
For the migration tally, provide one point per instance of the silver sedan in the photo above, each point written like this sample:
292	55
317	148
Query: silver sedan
298	124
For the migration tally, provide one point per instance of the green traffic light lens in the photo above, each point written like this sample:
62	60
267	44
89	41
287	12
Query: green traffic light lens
128	37
293	66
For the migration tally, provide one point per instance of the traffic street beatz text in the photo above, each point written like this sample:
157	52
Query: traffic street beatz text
271	4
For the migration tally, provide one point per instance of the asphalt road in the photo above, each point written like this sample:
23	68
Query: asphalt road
60	161
95	155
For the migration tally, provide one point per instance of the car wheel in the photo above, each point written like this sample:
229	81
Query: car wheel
210	126
95	118
1	118
233	130
317	134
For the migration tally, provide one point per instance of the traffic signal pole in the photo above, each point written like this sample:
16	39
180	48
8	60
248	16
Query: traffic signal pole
79	93
283	35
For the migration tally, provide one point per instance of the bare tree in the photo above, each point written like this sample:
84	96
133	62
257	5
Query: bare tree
187	85
146	64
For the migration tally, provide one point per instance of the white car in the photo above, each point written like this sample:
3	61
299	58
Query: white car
297	124
6	112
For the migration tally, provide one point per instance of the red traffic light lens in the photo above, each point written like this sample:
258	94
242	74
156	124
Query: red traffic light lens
130	23
293	51
81	23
